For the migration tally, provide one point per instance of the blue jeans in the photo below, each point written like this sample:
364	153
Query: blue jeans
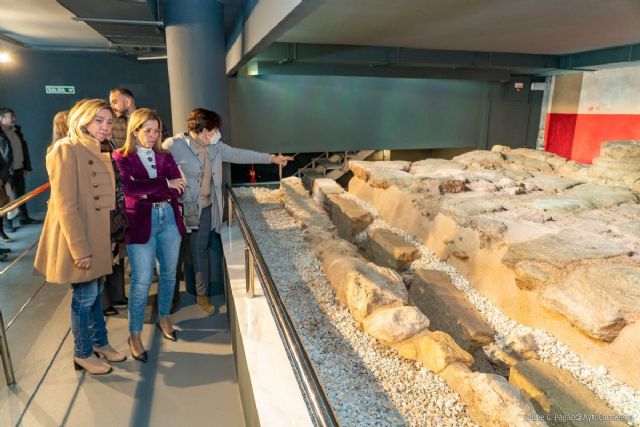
163	245
87	320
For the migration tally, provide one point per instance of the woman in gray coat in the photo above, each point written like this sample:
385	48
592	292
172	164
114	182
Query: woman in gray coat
199	153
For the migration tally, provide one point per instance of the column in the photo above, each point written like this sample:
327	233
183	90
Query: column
195	58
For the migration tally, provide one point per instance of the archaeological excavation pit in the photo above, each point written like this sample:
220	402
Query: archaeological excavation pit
497	288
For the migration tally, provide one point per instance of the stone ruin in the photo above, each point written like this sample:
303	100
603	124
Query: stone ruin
553	244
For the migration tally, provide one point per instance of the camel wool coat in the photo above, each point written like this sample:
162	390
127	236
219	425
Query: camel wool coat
78	217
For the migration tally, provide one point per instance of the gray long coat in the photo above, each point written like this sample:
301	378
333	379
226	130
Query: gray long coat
186	157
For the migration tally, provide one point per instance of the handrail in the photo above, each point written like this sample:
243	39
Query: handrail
308	380
5	355
23	199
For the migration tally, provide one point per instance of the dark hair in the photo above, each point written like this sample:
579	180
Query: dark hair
123	91
201	119
5	110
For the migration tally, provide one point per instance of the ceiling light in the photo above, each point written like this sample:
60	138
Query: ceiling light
4	57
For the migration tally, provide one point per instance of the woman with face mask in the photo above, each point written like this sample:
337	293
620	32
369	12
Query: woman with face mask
75	246
151	183
199	153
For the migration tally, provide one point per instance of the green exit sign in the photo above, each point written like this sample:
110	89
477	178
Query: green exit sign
60	90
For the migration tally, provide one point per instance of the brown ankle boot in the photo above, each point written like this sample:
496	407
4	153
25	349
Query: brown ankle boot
205	305
109	353
92	365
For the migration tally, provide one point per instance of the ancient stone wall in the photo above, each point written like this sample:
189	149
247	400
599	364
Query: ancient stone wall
433	322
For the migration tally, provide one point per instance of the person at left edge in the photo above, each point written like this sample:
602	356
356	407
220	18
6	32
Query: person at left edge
15	150
74	246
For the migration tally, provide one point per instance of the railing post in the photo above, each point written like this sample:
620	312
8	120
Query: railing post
230	207
4	352
280	168
249	272
345	166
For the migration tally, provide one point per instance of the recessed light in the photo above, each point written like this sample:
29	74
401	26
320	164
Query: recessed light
4	57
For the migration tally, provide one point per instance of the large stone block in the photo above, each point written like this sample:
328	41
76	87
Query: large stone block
363	169
563	248
532	275
386	248
462	210
601	196
348	217
490	399
490	231
369	286
621	149
480	158
549	183
449	310
324	187
339	270
608	295
391	325
436	168
527	164
296	201
556	393
623	165
388	177
437	350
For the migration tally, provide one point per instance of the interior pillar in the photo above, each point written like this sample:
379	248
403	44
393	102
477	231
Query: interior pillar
195	58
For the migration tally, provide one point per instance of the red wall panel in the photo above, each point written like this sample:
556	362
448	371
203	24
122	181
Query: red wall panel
579	136
559	132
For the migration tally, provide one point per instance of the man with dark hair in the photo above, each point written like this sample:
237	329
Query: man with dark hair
15	152
123	104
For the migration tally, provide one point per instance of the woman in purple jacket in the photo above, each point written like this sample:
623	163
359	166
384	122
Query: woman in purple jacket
151	183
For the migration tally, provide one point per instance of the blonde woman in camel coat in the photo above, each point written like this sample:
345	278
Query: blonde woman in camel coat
75	245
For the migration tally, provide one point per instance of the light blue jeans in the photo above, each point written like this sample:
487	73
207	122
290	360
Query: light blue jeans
87	320
163	245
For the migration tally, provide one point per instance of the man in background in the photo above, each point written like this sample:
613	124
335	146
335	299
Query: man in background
123	104
15	152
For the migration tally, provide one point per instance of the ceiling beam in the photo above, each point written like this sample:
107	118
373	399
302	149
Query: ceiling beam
601	57
368	55
262	24
375	61
300	68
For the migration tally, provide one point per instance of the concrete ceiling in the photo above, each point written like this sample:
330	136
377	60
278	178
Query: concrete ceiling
45	23
518	26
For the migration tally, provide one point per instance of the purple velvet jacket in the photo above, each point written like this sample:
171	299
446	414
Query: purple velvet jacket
140	192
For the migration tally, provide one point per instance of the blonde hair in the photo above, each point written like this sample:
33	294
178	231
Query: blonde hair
60	126
137	119
82	114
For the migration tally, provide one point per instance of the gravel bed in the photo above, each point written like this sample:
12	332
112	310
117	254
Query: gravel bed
367	384
620	396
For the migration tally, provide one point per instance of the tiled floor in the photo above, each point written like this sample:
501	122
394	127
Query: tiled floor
189	382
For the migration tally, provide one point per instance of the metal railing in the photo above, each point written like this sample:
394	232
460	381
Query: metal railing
4	345
315	395
23	199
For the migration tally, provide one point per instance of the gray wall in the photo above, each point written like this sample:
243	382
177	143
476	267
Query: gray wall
320	113
22	89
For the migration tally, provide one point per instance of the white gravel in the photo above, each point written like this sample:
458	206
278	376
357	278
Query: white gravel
621	397
367	383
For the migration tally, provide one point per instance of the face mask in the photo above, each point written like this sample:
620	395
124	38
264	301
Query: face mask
215	138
